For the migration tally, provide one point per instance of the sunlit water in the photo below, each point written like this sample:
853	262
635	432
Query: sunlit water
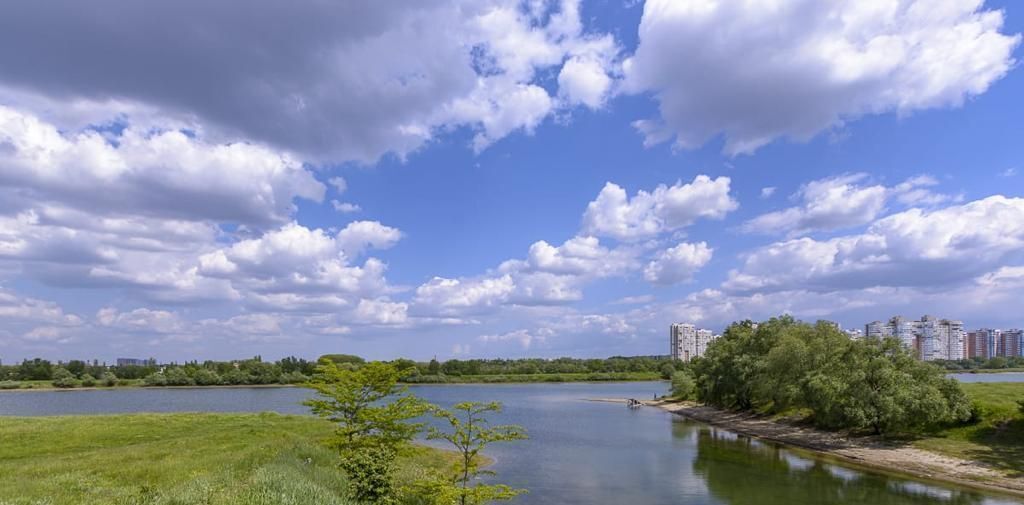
579	452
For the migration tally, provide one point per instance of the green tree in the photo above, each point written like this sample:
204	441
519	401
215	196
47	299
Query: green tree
88	380
683	385
205	377
434	367
108	379
470	433
62	378
374	417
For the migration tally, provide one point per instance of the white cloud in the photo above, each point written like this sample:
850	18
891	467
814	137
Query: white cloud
821	63
767	192
827	204
844	201
339	184
911	248
358	236
667	208
526	339
678	264
1009	172
584	81
345	207
352	81
167	174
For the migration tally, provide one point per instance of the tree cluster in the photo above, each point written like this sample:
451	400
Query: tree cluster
784	365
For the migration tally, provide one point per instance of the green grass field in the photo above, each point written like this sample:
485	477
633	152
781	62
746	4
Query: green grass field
997	439
177	459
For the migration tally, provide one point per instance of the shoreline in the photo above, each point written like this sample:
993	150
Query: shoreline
272	386
866	452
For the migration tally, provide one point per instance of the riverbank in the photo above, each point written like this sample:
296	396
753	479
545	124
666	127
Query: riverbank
184	459
984	456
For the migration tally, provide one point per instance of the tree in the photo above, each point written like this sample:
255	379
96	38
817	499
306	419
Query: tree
434	367
62	378
205	377
373	416
108	379
470	434
683	385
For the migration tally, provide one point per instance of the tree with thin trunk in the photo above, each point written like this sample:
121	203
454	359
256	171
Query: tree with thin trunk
471	432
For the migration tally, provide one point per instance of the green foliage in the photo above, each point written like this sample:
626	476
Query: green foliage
470	432
865	384
62	378
295	377
108	380
206	377
177	377
88	380
342	358
667	370
156	379
373	416
10	385
370	472
684	387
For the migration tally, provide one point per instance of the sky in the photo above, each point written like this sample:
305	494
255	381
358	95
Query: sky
499	178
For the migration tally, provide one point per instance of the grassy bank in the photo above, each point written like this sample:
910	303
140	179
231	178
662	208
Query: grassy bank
529	378
180	459
996	439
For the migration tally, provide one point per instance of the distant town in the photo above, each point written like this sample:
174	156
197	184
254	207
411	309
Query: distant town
930	338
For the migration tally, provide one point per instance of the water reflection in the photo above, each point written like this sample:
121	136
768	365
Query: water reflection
740	470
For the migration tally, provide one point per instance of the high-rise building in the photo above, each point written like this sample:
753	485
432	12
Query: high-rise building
930	338
1010	343
686	341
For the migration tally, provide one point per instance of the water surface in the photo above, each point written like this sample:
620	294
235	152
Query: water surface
580	452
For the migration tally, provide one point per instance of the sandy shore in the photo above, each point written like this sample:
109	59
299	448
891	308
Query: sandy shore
867	452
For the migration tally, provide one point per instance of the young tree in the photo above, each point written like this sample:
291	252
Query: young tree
373	416
470	433
683	385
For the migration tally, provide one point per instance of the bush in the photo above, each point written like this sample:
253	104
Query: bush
205	377
684	387
88	381
155	379
235	377
62	378
295	377
10	385
108	380
178	377
370	472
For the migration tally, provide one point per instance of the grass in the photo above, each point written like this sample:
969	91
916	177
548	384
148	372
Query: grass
538	377
177	459
997	439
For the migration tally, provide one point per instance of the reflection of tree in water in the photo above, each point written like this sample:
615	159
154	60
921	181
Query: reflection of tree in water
740	471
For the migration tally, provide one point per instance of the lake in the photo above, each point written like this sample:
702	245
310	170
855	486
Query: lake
579	452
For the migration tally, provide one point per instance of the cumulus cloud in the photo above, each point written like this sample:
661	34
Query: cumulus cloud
345	207
820	64
844	201
168	174
827	204
911	248
667	208
342	81
678	264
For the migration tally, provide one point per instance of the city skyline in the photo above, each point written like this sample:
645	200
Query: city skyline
544	178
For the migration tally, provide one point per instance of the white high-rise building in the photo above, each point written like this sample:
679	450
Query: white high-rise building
931	338
686	341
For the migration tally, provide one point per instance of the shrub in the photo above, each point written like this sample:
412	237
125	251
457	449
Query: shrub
295	377
683	386
108	379
9	385
62	378
205	377
88	381
235	377
155	379
178	377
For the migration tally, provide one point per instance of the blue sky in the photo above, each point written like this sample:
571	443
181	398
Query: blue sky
376	186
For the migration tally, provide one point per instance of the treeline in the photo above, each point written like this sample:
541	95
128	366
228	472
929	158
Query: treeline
77	373
787	366
663	366
978	363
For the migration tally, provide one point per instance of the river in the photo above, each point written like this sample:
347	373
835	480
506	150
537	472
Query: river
579	452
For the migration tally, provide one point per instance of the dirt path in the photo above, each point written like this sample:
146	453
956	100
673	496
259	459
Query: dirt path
862	451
